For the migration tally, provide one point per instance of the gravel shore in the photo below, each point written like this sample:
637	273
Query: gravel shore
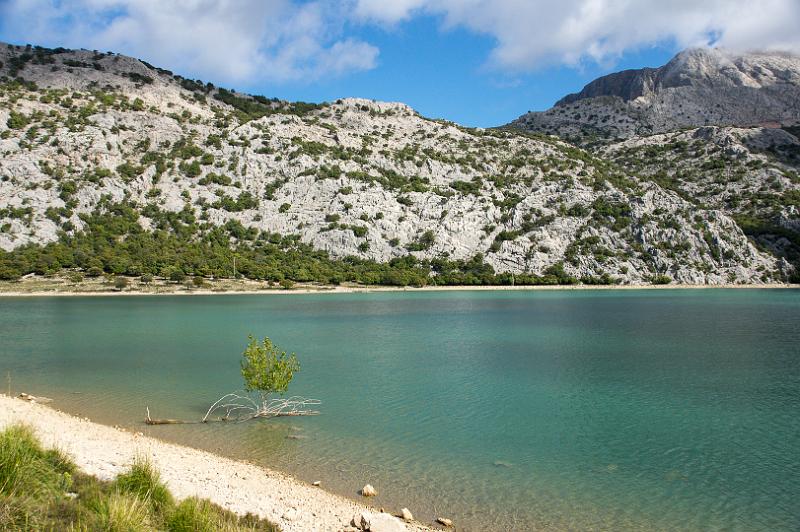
104	452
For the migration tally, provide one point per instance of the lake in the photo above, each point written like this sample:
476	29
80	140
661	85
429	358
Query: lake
523	410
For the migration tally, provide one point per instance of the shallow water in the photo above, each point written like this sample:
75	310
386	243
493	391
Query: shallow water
605	410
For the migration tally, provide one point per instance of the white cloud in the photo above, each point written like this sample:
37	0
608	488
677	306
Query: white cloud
532	33
226	40
247	41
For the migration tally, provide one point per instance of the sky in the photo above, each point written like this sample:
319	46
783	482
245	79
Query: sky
476	62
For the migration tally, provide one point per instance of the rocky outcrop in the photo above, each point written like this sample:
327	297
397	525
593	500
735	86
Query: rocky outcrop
697	87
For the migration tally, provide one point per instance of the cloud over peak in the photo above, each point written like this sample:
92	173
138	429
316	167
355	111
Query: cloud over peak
534	33
246	41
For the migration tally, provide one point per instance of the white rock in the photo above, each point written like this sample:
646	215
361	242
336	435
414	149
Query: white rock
292	514
386	523
444	521
368	491
406	514
362	520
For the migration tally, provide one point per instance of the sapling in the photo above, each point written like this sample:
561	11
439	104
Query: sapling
267	371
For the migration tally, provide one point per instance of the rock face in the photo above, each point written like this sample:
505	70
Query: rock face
697	87
81	130
752	174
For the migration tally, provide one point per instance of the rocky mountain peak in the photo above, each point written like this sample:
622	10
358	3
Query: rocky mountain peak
698	87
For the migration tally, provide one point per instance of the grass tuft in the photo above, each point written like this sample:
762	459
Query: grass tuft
144	481
27	470
192	515
124	512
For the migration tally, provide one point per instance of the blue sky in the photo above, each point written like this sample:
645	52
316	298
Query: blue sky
443	74
477	62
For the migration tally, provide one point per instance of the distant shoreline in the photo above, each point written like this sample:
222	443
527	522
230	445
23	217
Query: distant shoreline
245	289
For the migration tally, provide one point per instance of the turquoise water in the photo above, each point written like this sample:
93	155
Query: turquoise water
604	410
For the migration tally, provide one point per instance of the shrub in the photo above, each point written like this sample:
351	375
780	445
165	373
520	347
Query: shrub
425	241
177	276
266	368
146	278
17	120
121	283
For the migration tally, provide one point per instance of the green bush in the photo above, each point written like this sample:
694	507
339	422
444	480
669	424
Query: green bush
17	120
266	368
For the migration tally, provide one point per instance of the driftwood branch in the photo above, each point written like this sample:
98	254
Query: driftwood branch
151	421
242	407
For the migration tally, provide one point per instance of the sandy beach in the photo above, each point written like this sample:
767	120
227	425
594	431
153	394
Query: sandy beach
58	286
105	452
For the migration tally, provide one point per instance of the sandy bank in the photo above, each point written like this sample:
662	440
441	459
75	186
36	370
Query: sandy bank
8	289
237	486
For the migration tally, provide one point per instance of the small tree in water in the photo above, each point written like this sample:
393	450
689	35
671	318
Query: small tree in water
266	370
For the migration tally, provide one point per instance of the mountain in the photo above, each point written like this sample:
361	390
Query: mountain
698	87
109	164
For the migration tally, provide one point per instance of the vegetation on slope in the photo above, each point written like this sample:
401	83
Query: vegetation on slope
43	490
114	242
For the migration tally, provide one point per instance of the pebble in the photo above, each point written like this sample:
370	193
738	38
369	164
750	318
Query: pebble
291	514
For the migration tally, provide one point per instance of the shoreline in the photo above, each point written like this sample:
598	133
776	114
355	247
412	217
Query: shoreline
167	290
241	487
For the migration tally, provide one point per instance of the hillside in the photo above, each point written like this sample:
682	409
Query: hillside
698	87
752	174
112	165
